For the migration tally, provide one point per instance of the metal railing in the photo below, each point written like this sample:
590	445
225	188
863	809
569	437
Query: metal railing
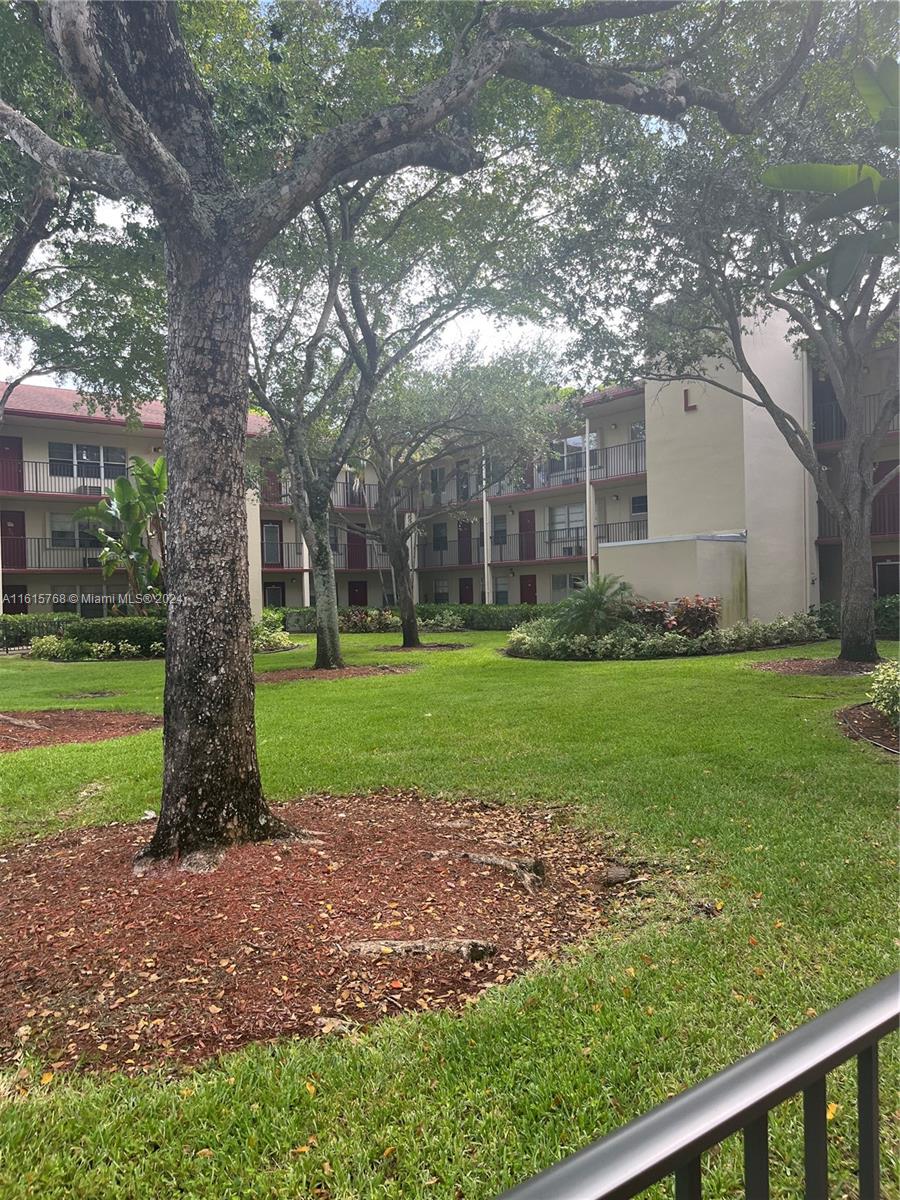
634	530
548	473
830	425
538	545
885	517
360	558
457	553
615	462
80	481
672	1138
36	554
286	556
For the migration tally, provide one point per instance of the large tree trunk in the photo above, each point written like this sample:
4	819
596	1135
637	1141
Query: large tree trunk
399	559
857	592
328	637
211	785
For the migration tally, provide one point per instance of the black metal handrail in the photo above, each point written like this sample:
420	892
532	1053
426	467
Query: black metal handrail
80	481
671	1138
885	517
634	530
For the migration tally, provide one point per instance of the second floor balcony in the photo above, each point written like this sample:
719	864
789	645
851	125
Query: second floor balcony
885	518
348	556
621	531
346	494
47	554
830	424
79	481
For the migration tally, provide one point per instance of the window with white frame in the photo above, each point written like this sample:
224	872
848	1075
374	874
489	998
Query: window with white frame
442	591
562	586
67	533
498	529
501	590
567	523
85	461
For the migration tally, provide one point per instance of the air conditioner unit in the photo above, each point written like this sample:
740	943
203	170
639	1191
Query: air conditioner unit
89	489
90	561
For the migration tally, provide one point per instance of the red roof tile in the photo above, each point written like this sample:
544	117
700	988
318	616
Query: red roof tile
604	395
37	400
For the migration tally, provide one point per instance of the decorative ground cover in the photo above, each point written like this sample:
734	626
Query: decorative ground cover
289	674
54	727
384	903
815	666
865	722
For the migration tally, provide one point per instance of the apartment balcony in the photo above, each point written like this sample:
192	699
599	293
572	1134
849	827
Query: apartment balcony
885	519
619	462
541	545
830	426
465	553
346	494
621	531
83	481
364	557
543	476
460	489
286	556
41	554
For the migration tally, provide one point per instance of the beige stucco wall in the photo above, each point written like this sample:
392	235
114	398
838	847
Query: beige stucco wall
695	462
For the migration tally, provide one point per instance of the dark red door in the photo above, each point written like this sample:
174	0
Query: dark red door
358	593
270	486
466	592
464	534
11	464
528	589
12	533
356	552
13	599
526	535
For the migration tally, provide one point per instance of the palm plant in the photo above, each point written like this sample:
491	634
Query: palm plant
596	608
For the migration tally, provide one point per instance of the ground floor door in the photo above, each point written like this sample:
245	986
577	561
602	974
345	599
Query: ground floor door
14	598
356	553
466	591
464	536
12	536
526	536
358	592
273	595
528	589
11	469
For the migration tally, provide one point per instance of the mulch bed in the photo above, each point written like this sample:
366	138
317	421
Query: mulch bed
287	676
864	722
816	666
25	730
103	969
428	646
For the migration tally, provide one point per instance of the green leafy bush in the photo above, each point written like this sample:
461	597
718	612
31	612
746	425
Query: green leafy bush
595	608
654	615
263	637
696	615
101	650
157	650
128	650
450	622
885	690
47	646
20	629
138	631
367	620
887	617
543	639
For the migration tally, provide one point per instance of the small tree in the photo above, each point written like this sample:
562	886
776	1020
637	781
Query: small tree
130	522
466	409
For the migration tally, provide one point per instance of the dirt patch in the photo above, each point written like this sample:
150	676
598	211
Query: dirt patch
86	695
427	646
25	730
287	676
864	722
101	968
816	666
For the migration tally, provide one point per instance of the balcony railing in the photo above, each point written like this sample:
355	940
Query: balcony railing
549	473
36	554
346	493
672	1138
830	425
614	462
622	531
367	557
81	481
285	556
885	517
540	545
460	488
465	553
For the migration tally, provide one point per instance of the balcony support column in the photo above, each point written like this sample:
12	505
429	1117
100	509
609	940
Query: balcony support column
589	502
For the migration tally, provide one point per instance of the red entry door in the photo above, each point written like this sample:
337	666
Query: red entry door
356	553
12	535
358	593
528	589
466	591
464	534
11	471
526	536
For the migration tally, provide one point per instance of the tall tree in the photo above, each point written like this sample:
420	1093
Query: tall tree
462	410
221	182
710	252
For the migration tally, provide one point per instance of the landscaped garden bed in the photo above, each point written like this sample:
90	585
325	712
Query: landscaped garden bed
815	666
384	903
54	727
289	674
864	722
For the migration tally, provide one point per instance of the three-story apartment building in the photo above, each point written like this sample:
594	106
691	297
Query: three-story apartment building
679	487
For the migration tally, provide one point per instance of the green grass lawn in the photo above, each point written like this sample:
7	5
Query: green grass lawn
738	778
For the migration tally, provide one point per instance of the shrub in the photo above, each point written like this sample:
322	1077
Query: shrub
263	637
157	650
138	631
595	608
48	646
128	650
885	692
103	650
887	617
273	619
450	622
367	620
543	639
653	615
696	615
20	629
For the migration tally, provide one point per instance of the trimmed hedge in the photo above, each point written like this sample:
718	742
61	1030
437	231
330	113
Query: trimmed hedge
458	616
887	617
20	629
541	639
142	632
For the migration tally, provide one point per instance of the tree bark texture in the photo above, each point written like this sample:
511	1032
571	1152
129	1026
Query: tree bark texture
212	793
328	637
397	551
